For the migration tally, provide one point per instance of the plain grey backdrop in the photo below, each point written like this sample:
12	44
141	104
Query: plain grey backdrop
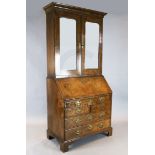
115	54
115	70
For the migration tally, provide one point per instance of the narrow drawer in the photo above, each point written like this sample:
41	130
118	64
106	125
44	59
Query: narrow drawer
81	120
80	103
87	129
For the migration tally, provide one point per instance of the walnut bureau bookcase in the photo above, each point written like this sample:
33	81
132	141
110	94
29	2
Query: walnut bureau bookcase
79	98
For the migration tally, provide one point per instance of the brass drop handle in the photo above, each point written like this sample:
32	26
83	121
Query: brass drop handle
100	125
90	127
77	120
101	115
77	132
78	103
101	99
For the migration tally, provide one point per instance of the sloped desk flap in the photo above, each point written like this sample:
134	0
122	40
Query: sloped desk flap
82	86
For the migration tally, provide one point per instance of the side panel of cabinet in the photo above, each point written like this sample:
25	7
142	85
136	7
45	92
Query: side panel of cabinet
50	25
55	110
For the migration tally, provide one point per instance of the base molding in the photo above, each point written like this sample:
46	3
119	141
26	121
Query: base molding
64	145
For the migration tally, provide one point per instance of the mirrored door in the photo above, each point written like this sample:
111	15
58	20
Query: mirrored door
91	46
67	49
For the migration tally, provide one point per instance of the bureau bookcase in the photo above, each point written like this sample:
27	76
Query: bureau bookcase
79	98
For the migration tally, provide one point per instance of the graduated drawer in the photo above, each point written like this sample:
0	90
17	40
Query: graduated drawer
81	120
87	129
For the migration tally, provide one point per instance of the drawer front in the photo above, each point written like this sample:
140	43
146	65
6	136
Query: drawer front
87	129
87	101
70	112
81	120
79	103
87	105
105	106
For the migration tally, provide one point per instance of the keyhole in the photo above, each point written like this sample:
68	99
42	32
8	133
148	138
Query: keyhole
90	105
90	108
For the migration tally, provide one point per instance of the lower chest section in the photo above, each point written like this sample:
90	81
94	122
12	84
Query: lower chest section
87	115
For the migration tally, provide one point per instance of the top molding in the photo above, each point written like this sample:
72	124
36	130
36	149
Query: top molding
53	5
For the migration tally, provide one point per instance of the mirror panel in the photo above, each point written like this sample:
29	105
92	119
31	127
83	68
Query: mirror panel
91	45
67	44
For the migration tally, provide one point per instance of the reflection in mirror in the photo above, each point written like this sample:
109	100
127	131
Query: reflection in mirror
91	45
67	44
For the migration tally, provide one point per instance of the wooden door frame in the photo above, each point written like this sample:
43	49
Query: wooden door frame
91	71
68	15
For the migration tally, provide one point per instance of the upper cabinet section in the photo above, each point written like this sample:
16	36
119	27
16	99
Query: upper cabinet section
74	41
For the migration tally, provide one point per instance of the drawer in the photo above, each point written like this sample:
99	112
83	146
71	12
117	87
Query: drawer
89	128
106	107
70	112
81	120
103	104
80	103
86	105
75	103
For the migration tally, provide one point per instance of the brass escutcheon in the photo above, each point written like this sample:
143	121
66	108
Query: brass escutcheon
90	127
101	99
100	125
77	132
78	103
77	120
90	117
101	115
